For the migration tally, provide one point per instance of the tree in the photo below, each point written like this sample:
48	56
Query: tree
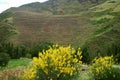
4	58
6	28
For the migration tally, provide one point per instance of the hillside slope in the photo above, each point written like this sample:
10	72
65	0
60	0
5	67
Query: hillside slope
59	7
33	28
61	21
106	38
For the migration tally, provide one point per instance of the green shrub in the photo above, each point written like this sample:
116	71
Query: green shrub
113	74
40	47
16	52
114	49
4	58
19	51
86	54
56	63
102	69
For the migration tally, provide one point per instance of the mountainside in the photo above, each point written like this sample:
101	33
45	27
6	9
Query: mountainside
58	6
90	24
34	28
106	38
60	21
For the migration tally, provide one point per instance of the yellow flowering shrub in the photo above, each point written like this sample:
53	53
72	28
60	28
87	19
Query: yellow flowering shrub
101	67
57	63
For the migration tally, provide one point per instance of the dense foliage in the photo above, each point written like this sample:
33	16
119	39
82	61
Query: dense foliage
6	30
102	69
45	45
57	63
114	49
4	58
15	52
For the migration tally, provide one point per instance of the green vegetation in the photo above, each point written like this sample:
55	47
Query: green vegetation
114	49
93	25
6	30
40	47
4	58
15	63
107	34
15	52
105	39
102	69
5	15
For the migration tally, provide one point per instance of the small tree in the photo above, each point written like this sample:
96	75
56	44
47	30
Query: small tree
4	58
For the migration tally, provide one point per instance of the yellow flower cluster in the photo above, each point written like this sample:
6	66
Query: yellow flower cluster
29	74
101	65
57	60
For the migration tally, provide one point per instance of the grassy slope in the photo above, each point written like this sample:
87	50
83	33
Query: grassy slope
66	28
106	17
15	63
18	62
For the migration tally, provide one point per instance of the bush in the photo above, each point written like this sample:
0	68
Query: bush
57	63
15	52
4	58
102	69
40	47
86	54
114	49
113	74
19	51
